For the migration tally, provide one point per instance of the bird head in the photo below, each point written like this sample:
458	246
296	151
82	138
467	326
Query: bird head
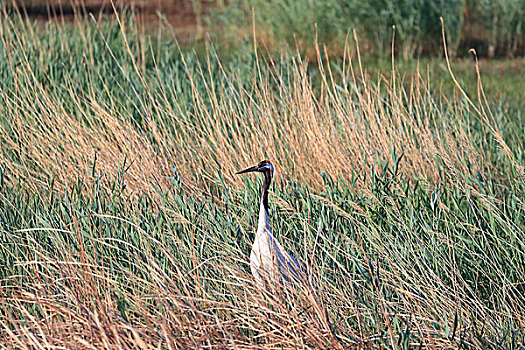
262	167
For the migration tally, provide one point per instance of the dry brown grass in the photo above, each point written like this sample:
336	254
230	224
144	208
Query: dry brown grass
78	308
76	298
72	302
344	125
342	129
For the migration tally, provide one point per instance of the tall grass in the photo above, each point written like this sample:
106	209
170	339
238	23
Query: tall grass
494	27
123	226
94	101
407	267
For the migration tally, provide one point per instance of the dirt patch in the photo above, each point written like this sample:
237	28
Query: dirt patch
184	15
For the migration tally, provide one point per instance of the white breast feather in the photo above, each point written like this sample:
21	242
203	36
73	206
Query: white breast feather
267	257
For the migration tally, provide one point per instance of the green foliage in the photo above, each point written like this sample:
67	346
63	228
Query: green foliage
403	240
504	22
418	28
394	259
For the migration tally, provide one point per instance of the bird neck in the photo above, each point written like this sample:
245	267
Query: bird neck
265	187
264	221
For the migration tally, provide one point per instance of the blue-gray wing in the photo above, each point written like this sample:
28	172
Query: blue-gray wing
288	266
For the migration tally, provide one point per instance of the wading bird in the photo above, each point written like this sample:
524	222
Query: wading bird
268	259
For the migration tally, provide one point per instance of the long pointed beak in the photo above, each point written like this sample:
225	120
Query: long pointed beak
249	170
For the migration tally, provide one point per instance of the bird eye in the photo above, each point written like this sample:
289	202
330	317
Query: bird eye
265	164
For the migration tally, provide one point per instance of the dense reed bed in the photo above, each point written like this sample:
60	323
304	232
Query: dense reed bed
122	225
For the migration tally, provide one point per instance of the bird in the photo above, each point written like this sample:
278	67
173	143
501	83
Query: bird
269	262
268	259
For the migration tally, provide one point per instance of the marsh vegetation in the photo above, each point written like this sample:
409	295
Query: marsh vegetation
399	187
